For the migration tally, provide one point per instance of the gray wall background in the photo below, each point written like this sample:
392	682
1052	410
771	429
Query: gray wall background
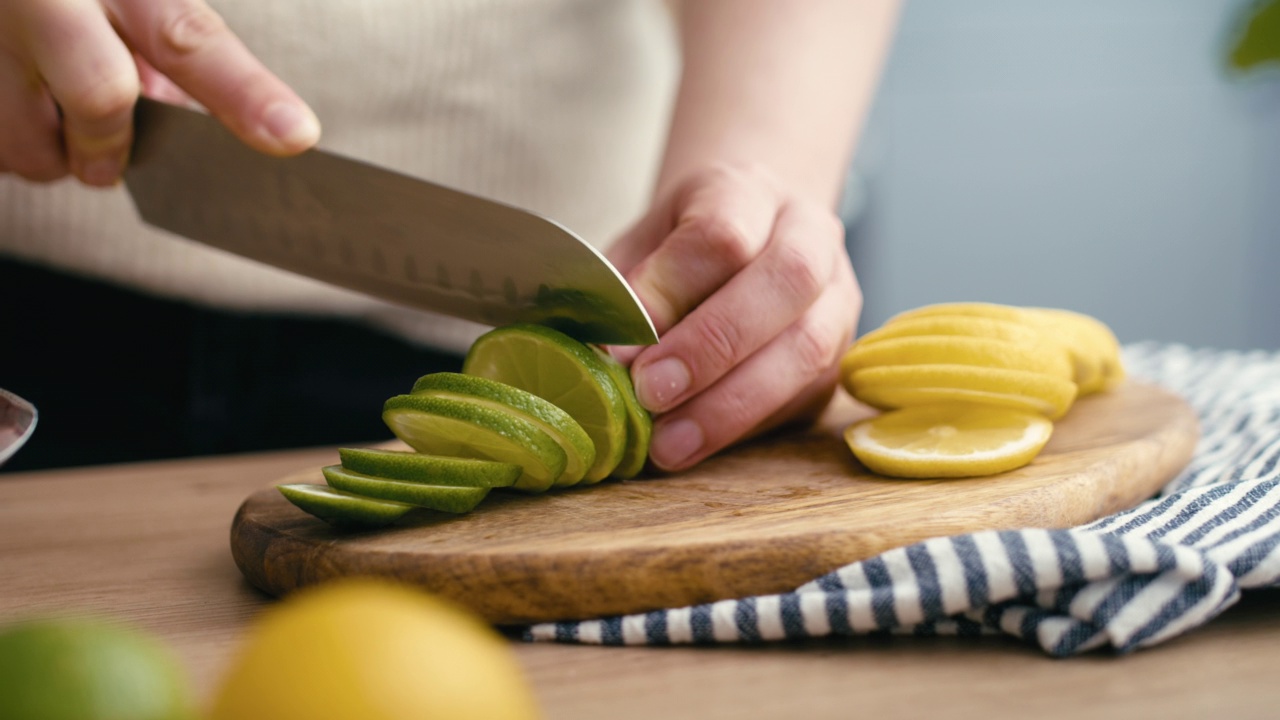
1093	154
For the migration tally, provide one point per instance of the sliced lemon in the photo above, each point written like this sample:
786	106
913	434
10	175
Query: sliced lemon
948	440
456	428
340	508
1094	348
444	498
1011	313
970	325
580	452
569	374
959	350
639	421
429	469
896	386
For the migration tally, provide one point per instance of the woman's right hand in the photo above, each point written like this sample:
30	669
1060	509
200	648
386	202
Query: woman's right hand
71	72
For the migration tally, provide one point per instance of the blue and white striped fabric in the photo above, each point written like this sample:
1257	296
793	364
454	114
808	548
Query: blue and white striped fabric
1127	581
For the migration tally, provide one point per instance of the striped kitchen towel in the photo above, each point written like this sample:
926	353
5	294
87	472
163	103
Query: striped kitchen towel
1127	581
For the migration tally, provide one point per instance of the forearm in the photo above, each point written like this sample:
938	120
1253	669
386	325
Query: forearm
780	83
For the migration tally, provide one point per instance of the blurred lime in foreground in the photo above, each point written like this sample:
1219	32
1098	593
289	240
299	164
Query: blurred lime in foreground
372	650
85	669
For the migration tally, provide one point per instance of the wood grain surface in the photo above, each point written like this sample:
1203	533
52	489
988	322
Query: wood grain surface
765	517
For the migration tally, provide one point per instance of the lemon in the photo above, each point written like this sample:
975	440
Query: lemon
948	440
579	451
457	428
1094	348
372	650
1010	313
443	498
340	508
897	386
88	669
431	469
567	373
639	421
970	325
959	350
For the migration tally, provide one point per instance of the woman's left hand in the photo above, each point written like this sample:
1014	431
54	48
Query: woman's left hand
754	298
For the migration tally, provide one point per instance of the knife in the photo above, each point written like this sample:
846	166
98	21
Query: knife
376	231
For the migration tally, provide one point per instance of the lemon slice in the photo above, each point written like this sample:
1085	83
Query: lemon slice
959	350
430	469
896	386
444	498
562	370
639	421
456	428
342	508
1094	348
948	440
969	325
580	452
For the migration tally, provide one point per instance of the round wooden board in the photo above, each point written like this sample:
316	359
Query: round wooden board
765	517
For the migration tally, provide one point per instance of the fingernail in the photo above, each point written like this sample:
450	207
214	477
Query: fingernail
659	384
294	125
674	442
102	172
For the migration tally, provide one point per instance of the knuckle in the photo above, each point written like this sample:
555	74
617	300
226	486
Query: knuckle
188	28
718	345
720	237
101	101
802	276
816	345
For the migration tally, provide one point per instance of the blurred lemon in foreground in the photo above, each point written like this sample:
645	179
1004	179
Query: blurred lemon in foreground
372	650
948	440
85	669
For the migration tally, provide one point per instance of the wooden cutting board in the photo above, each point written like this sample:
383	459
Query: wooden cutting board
765	517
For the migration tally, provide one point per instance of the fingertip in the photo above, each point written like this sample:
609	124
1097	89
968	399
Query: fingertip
289	127
676	444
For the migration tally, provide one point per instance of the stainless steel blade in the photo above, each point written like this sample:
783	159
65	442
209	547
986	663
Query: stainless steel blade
376	231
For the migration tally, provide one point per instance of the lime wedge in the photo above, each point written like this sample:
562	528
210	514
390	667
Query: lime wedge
557	368
429	469
579	450
444	498
639	422
341	508
458	428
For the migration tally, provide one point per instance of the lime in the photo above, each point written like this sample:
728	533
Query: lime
580	452
342	508
435	497
639	422
374	650
88	669
430	469
562	370
458	428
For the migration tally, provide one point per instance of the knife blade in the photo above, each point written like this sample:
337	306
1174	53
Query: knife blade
376	231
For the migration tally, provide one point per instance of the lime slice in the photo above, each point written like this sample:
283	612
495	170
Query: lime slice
578	448
436	497
342	508
639	422
429	469
458	428
557	368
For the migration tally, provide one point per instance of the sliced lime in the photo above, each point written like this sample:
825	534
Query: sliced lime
639	422
342	508
444	498
562	370
579	450
430	469
460	428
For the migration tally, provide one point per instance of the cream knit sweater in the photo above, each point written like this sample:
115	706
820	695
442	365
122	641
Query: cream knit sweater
559	106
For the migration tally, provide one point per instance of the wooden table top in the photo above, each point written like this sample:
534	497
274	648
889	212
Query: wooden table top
148	543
